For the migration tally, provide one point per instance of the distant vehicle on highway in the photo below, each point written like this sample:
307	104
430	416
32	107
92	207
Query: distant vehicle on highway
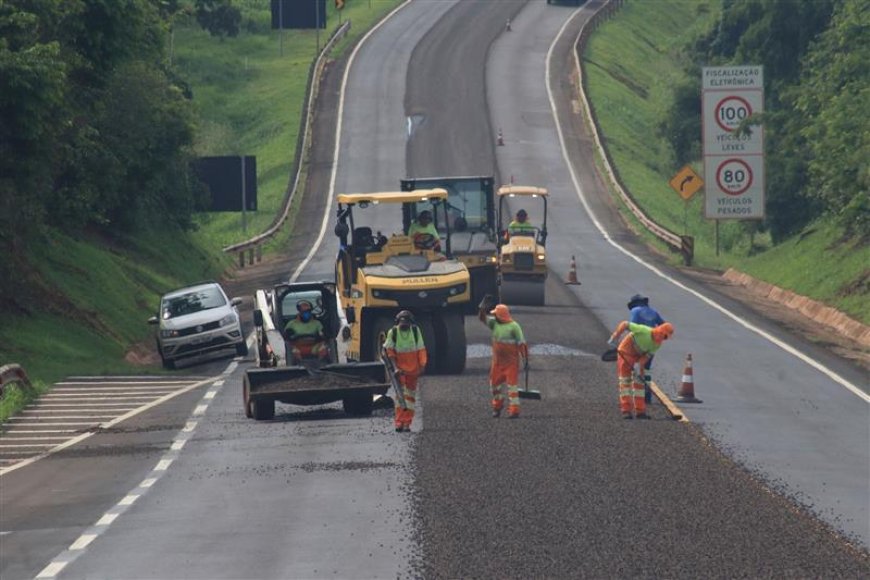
196	320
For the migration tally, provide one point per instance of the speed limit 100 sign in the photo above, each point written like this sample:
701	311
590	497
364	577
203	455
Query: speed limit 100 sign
723	113
735	188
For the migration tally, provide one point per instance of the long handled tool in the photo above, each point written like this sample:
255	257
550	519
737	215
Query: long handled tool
526	392
394	379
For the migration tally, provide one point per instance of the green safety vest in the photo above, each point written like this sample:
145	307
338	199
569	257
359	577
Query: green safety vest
298	328
516	227
418	229
505	332
410	340
643	338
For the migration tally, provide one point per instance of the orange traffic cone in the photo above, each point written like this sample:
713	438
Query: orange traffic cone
572	274
687	386
500	139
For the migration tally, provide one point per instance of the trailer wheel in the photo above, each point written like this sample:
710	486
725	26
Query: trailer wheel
450	333
263	409
246	397
359	405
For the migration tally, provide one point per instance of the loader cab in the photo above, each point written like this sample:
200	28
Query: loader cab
321	295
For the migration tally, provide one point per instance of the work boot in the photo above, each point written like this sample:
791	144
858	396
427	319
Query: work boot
643	416
496	413
513	415
399	428
627	416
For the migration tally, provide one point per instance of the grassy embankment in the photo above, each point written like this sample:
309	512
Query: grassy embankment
631	62
95	295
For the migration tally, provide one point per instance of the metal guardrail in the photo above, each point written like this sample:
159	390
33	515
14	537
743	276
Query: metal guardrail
13	373
605	12
253	245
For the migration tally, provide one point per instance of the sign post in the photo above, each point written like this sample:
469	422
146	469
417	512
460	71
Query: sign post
686	183
733	161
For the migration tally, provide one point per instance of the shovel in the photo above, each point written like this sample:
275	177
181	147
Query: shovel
610	355
525	392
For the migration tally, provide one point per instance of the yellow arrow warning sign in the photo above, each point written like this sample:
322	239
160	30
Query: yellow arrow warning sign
686	182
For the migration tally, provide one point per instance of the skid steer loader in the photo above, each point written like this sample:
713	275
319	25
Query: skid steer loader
295	376
379	275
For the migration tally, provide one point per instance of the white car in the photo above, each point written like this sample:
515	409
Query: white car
197	320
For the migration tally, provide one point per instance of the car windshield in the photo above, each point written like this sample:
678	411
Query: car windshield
191	302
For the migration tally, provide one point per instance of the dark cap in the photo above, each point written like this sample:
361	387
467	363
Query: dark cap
405	315
638	300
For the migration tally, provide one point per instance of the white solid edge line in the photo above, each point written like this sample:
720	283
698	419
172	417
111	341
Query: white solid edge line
325	223
579	190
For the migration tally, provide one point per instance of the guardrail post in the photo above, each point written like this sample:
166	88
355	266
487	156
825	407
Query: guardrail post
13	373
242	259
687	249
251	257
259	253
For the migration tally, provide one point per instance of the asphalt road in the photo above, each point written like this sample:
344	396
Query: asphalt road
193	489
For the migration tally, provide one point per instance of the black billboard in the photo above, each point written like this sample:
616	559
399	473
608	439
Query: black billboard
223	178
298	13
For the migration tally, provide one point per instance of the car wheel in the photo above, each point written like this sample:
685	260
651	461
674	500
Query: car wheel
168	363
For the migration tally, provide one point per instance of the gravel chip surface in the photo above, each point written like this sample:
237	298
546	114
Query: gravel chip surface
571	490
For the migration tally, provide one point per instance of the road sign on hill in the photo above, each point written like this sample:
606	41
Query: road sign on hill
686	182
733	160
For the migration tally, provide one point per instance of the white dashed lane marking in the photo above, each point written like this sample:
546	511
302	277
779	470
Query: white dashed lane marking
78	405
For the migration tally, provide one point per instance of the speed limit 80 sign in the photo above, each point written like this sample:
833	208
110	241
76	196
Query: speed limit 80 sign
733	159
735	187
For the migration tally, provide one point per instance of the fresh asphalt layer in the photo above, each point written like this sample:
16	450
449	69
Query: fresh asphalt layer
568	490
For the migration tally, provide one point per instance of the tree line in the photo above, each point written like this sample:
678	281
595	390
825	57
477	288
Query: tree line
816	58
96	131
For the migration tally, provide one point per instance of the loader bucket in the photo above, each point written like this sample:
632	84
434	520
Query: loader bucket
354	383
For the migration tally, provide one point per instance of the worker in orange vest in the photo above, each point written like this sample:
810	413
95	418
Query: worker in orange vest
634	350
508	346
405	348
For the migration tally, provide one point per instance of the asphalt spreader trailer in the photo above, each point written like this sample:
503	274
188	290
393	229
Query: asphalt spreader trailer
293	376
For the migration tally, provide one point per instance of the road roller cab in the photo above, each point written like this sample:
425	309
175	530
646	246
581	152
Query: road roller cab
471	218
381	270
522	254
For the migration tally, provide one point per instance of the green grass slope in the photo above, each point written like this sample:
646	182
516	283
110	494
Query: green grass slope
89	299
631	62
